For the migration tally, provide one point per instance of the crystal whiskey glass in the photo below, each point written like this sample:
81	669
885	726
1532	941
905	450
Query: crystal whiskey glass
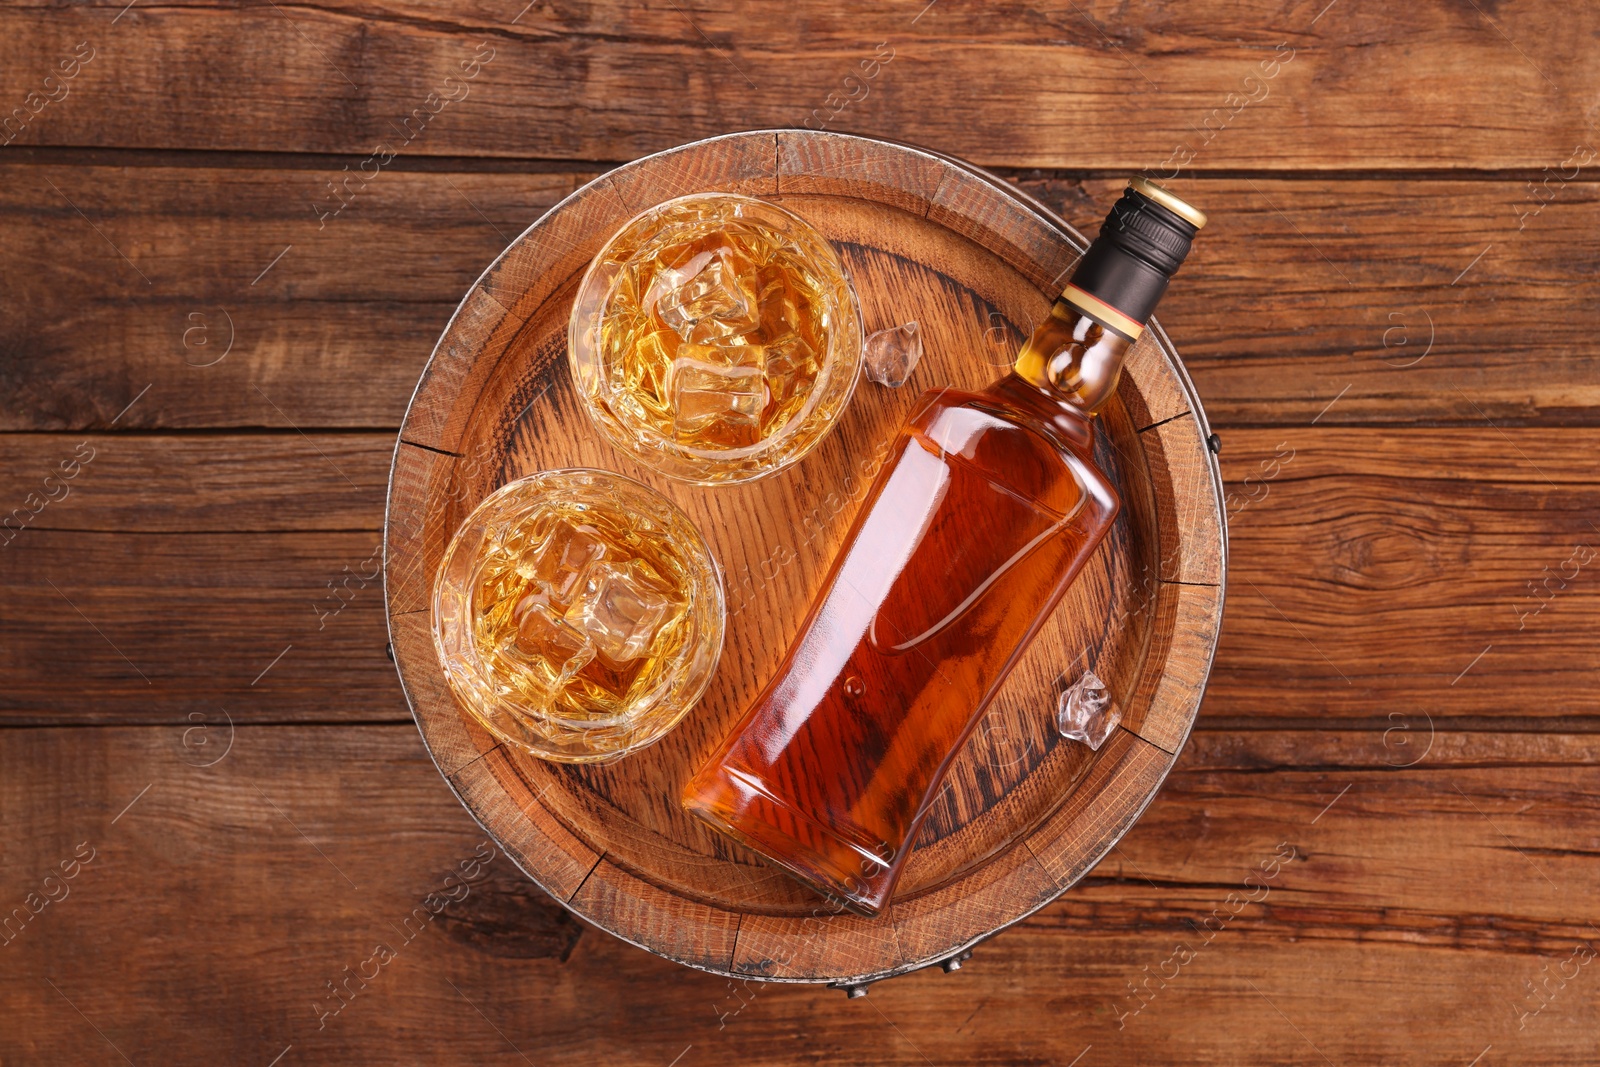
716	338
578	615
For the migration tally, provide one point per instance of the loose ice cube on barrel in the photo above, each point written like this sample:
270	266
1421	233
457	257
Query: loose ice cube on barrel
891	355
1086	713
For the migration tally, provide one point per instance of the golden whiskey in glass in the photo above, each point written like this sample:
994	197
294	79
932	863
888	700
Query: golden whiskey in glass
716	338
578	615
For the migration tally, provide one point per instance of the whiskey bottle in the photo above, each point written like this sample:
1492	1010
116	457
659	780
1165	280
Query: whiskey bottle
987	507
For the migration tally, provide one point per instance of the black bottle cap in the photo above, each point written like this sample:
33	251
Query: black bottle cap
1141	245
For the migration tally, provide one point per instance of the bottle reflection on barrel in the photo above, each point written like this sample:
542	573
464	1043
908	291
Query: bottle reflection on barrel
986	509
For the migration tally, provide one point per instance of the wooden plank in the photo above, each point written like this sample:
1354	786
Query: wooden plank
1271	331
1189	516
537	842
417	474
180	483
253	856
171	576
1182	643
131	626
667	924
1146	408
829	942
927	925
457	743
1101	809
1407	895
1446	572
1389	558
435	425
234	304
1208	85
1022	235
740	163
811	163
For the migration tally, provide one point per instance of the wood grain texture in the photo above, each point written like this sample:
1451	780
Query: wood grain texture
538	843
457	745
1220	86
416	474
1399	553
1383	293
153	627
1333	290
1434	582
662	922
1444	916
1097	814
497	402
224	293
1184	638
1181	474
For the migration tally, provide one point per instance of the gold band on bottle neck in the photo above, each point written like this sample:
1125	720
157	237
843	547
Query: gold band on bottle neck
1102	312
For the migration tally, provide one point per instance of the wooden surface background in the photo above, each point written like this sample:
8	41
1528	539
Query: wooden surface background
1381	843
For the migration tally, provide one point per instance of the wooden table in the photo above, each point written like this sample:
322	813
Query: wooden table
230	237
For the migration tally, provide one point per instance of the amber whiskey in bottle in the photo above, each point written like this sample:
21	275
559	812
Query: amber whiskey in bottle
986	508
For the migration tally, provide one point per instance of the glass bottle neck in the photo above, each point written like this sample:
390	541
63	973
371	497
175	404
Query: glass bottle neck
1073	359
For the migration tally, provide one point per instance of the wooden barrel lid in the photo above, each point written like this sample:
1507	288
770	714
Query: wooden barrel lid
1025	814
